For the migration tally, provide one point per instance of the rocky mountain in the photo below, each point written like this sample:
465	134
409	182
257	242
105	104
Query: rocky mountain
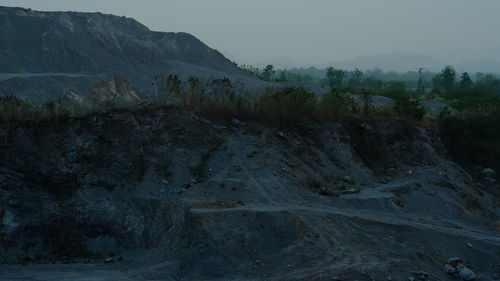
70	51
70	42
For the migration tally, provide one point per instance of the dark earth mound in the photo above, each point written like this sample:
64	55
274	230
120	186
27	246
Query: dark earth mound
157	193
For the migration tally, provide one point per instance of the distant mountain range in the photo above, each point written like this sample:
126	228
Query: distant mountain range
396	61
281	62
403	62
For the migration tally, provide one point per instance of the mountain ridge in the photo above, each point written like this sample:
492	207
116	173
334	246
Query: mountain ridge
94	42
98	46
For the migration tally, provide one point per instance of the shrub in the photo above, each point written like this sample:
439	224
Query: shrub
287	104
336	105
473	139
405	107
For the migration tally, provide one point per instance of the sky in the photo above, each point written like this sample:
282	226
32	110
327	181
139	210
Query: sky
314	31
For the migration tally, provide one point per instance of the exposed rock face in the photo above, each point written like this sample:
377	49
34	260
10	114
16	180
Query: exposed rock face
180	198
115	91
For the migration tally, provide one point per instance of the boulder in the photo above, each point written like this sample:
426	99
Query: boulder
449	269
488	172
455	261
434	107
235	122
421	275
456	268
465	274
115	91
489	180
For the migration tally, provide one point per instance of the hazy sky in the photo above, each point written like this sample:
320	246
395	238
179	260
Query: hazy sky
314	31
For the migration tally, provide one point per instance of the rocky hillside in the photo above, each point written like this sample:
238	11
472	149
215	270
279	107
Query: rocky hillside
43	55
70	42
160	194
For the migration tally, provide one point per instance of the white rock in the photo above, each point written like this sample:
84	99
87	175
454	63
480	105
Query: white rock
465	274
235	122
488	172
449	269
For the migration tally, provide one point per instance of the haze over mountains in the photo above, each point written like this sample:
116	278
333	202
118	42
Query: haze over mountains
394	61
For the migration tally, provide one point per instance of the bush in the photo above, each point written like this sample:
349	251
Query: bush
405	107
13	109
473	139
287	104
335	105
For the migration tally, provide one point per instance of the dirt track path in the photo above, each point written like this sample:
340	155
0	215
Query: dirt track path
447	227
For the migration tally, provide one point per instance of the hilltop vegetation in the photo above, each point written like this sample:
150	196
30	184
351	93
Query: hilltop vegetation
471	133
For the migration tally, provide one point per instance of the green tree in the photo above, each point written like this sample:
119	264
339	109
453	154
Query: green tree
372	83
405	107
420	83
465	81
268	73
355	79
251	70
336	105
437	82
448	77
335	77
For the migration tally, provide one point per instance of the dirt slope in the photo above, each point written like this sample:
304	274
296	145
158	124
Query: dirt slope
170	196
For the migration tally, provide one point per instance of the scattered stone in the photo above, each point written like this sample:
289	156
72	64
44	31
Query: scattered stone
489	172
109	260
465	274
489	180
456	268
421	275
449	269
455	261
350	191
325	191
348	179
235	122
411	172
469	245
411	278
389	277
